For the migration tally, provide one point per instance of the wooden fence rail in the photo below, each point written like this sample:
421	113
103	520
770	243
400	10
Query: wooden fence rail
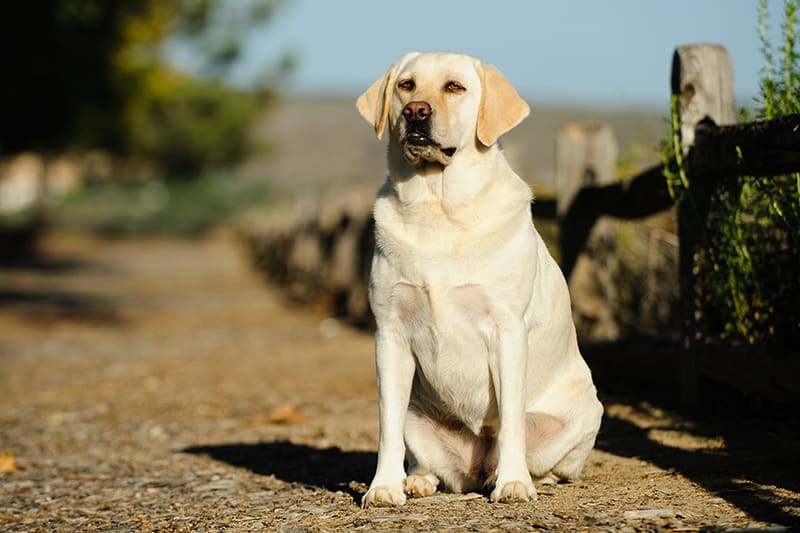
761	148
644	195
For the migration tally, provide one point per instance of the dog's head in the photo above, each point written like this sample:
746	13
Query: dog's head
438	104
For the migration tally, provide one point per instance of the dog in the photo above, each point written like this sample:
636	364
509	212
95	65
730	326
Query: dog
480	380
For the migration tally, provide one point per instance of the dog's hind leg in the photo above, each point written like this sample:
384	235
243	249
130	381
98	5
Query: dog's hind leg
570	466
562	454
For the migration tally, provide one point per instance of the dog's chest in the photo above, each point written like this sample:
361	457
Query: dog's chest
451	332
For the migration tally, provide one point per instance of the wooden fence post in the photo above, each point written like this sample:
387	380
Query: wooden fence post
586	156
702	79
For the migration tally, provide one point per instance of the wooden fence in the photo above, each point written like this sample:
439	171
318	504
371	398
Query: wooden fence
319	250
715	150
323	250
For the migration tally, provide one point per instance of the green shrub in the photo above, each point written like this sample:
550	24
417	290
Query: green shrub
116	90
198	124
748	267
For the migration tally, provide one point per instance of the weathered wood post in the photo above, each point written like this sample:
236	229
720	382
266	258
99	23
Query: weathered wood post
586	156
346	278
702	80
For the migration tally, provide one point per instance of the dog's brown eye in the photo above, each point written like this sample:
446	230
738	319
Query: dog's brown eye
454	87
406	85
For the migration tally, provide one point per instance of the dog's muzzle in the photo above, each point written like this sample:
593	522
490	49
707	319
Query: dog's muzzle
418	145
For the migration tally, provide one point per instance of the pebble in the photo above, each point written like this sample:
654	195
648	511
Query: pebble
649	514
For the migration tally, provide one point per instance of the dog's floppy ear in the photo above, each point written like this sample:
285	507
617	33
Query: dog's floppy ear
375	102
501	107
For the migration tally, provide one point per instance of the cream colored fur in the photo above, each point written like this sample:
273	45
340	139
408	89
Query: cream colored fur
479	375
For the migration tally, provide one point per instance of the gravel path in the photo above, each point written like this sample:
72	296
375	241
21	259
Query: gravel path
159	385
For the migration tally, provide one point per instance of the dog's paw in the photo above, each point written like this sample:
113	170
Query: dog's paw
548	479
514	491
419	486
383	497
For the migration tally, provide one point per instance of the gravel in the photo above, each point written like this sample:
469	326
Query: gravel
159	385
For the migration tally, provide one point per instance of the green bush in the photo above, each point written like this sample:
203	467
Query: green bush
196	125
117	91
748	267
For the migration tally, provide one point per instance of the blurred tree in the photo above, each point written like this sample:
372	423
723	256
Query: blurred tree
92	74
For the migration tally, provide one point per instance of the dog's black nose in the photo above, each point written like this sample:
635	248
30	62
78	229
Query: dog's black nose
417	111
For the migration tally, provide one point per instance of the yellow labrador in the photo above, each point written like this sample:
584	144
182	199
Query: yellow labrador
479	375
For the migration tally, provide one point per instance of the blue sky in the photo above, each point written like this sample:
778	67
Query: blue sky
598	53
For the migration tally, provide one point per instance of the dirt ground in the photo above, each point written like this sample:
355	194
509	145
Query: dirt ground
159	385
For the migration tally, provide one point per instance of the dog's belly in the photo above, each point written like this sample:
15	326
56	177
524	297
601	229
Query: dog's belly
451	333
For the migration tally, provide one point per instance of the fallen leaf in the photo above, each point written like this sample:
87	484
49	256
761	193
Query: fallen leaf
287	414
7	463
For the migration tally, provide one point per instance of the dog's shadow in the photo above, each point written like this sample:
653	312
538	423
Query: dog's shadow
326	468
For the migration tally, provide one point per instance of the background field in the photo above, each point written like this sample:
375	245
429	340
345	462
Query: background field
321	141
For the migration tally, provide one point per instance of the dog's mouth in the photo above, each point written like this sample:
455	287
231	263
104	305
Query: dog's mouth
417	138
418	147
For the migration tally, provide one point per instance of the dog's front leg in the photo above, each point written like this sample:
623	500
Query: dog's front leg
508	365
395	371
